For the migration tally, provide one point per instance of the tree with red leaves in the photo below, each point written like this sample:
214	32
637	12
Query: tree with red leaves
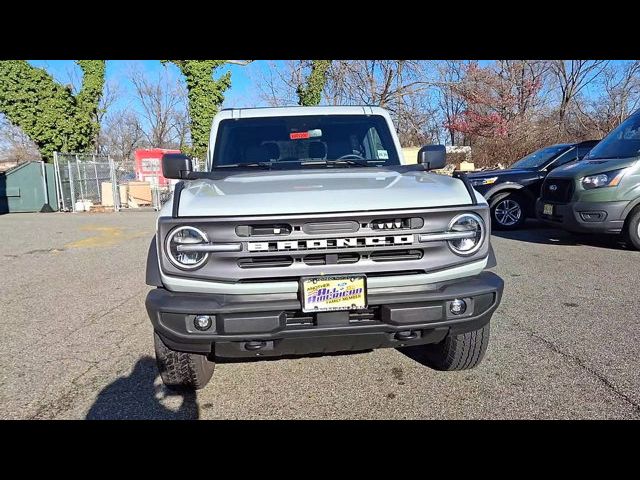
500	102
497	97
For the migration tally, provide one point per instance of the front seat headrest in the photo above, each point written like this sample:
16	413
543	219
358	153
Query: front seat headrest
259	153
317	149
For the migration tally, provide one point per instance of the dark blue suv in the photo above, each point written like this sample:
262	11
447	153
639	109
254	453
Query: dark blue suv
511	192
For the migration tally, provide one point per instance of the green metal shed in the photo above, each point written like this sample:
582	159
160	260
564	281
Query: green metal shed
25	189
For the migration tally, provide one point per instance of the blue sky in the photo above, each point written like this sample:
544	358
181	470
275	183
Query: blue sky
241	93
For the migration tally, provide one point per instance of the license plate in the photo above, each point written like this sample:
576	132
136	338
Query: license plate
325	294
547	209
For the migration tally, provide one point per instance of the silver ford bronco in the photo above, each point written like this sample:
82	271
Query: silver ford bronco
308	233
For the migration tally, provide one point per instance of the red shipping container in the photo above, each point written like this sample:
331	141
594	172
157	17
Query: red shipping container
149	167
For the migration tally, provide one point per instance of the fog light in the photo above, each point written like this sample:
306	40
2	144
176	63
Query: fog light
593	216
458	307
202	322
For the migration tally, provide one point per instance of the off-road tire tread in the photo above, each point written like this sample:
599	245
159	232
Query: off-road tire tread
182	370
458	352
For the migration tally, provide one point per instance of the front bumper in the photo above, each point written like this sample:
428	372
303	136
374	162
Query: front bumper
274	326
584	217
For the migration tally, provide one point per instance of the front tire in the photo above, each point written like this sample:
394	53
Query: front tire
182	370
456	352
633	228
508	211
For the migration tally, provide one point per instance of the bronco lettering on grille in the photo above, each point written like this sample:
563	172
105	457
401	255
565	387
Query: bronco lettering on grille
322	244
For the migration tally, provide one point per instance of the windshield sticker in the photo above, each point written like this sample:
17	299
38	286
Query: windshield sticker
298	135
315	133
383	155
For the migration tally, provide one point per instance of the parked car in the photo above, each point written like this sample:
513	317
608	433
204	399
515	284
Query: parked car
600	194
512	192
308	234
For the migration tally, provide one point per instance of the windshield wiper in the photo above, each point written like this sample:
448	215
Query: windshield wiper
265	165
344	161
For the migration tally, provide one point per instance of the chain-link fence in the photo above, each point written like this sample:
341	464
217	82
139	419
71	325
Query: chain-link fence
88	181
81	179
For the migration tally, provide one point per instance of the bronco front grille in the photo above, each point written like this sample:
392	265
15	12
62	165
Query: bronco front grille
263	230
330	259
287	247
397	255
265	262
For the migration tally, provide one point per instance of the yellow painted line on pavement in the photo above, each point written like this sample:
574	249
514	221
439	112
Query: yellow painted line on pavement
105	237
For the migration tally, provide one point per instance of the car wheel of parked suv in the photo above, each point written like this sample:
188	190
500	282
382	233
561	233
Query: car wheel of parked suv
181	370
507	211
633	228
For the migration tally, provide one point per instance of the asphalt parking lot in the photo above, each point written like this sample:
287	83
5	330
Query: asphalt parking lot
76	342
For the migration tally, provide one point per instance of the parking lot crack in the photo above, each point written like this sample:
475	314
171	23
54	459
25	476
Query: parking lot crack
95	317
36	251
590	370
115	307
63	402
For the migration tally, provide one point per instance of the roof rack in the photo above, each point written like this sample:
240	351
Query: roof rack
294	105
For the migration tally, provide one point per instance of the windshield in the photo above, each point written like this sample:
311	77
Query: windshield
296	141
622	142
540	157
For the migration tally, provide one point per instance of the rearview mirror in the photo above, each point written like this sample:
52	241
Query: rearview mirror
176	165
433	157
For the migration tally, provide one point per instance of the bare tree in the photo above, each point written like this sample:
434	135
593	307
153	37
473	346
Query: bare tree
112	93
619	96
418	121
523	80
15	145
162	105
121	135
451	72
182	130
277	85
572	76
401	86
377	82
398	85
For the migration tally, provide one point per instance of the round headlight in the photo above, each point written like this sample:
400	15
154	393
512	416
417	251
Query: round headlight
473	226
182	257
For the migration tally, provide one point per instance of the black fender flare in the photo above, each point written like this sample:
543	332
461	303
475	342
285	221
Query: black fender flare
512	186
491	260
632	204
153	277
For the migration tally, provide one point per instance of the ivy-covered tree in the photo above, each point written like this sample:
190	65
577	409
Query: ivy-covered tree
206	95
49	113
310	92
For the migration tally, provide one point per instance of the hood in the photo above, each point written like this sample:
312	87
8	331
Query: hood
590	167
498	172
319	191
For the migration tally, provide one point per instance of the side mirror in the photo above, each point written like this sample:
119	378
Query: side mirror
433	157
176	165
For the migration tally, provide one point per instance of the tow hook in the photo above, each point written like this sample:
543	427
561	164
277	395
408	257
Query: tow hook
406	335
254	345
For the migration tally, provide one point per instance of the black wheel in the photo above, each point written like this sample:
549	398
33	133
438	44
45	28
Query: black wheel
633	228
181	370
508	211
456	352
